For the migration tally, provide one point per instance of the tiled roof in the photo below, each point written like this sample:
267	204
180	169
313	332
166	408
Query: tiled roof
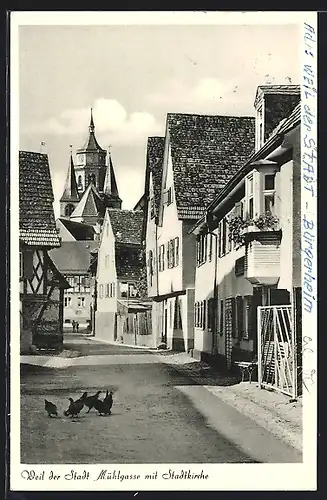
154	161
73	256
70	190
79	230
126	225
90	204
37	226
206	152
128	263
284	127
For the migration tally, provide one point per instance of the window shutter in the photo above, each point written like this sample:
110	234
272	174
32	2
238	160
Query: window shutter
239	316
204	320
163	257
233	313
160	264
176	251
210	247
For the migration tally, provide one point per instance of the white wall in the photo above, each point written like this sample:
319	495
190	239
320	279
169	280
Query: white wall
106	271
284	195
170	280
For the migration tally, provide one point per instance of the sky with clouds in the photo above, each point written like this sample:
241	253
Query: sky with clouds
133	76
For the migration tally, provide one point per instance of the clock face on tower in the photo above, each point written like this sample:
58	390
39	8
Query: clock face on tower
81	159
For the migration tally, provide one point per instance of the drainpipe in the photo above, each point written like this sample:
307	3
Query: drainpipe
215	295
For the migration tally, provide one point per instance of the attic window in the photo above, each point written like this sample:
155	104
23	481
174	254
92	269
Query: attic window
169	196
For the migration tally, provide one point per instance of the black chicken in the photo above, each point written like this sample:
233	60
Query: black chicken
50	408
83	397
108	400
104	407
90	400
74	408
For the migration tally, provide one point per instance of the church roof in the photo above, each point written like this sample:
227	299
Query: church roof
206	151
37	224
126	225
110	188
79	230
90	204
70	190
73	256
91	143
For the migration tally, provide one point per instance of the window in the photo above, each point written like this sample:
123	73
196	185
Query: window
200	314
239	317
247	317
169	196
71	281
80	301
152	208
21	265
151	267
69	209
250	202
269	194
223	237
210	236
107	290
101	291
107	229
239	266
176	251
221	317
113	290
67	301
201	251
161	257
123	289
79	182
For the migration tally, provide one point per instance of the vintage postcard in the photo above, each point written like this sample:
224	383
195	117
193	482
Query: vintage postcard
163	251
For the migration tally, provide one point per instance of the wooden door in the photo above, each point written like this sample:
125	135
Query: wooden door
228	331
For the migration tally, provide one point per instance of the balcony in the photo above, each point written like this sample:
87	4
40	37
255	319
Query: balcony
262	256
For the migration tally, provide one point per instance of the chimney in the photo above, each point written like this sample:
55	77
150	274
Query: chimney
273	103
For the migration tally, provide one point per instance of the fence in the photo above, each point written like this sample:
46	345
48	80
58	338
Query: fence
277	362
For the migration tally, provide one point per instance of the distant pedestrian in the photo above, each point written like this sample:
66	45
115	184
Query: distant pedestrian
73	323
77	326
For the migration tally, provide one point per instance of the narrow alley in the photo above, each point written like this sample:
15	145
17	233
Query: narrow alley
160	414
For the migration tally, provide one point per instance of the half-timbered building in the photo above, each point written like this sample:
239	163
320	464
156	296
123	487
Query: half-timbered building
41	284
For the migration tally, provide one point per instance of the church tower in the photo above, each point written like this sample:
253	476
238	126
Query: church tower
70	197
91	163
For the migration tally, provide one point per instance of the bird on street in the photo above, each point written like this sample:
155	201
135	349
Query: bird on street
50	408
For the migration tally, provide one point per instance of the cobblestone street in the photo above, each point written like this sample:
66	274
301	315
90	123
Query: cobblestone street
161	413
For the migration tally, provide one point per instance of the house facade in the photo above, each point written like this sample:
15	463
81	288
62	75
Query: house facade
73	260
248	245
199	155
41	284
118	270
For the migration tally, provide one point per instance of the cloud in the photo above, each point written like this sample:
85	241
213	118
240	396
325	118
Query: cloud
111	120
233	95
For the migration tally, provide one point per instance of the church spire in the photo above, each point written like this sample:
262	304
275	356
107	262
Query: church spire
70	193
110	188
91	127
